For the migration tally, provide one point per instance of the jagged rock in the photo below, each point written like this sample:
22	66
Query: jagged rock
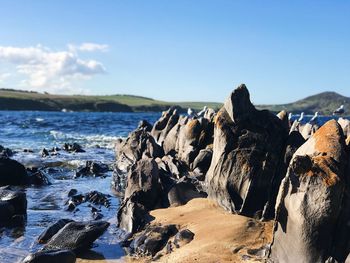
307	130
52	256
93	197
145	125
36	176
172	165
44	153
73	148
203	160
247	149
310	197
77	235
142	194
130	150
13	207
153	239
171	141
52	230
92	168
163	126
11	172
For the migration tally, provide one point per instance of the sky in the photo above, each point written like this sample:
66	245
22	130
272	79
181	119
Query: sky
181	50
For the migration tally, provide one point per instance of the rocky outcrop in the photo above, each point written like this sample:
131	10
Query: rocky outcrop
163	126
11	172
13	207
310	199
345	124
52	230
247	149
91	168
77	236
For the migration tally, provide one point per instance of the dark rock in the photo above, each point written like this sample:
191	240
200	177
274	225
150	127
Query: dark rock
11	172
37	177
52	230
77	235
152	240
5	152
163	126
247	150
44	153
51	256
97	216
92	169
93	197
203	160
310	199
72	192
13	207
76	148
183	237
145	125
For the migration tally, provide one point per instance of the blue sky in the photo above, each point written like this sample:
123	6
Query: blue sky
181	50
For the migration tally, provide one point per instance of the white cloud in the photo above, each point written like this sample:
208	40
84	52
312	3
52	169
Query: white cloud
88	47
46	69
4	76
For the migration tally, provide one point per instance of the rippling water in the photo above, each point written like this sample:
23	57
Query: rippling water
96	132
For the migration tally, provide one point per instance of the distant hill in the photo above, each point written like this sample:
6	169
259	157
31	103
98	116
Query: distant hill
325	103
28	100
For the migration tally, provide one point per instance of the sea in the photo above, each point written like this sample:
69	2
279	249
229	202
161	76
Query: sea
27	133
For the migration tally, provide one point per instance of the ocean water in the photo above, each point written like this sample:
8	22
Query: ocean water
96	133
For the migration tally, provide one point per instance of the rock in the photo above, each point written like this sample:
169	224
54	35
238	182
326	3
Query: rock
152	240
145	125
73	148
183	191
310	198
97	216
247	150
203	160
77	235
92	168
11	172
183	237
308	130
13	207
44	153
52	230
130	150
93	197
283	116
52	256
163	126
36	176
345	125
142	194
72	192
5	152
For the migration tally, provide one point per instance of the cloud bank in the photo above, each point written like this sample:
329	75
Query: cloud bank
41	68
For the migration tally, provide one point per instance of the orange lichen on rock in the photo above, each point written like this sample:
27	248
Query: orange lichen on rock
329	139
193	128
221	118
327	168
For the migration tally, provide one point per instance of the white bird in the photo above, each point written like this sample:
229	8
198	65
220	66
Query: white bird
199	114
290	115
339	111
190	112
314	118
301	117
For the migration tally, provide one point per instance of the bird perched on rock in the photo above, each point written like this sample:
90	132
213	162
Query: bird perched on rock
314	119
301	117
339	111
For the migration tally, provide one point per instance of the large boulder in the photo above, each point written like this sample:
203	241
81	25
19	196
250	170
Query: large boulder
13	207
247	149
77	236
52	230
11	172
310	198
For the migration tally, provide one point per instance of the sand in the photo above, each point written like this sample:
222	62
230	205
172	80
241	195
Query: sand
217	233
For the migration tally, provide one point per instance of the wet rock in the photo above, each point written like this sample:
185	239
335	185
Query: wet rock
152	240
13	207
72	192
92	169
183	237
73	148
36	176
51	256
97	216
44	153
11	172
5	152
310	198
247	150
52	230
93	197
77	235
